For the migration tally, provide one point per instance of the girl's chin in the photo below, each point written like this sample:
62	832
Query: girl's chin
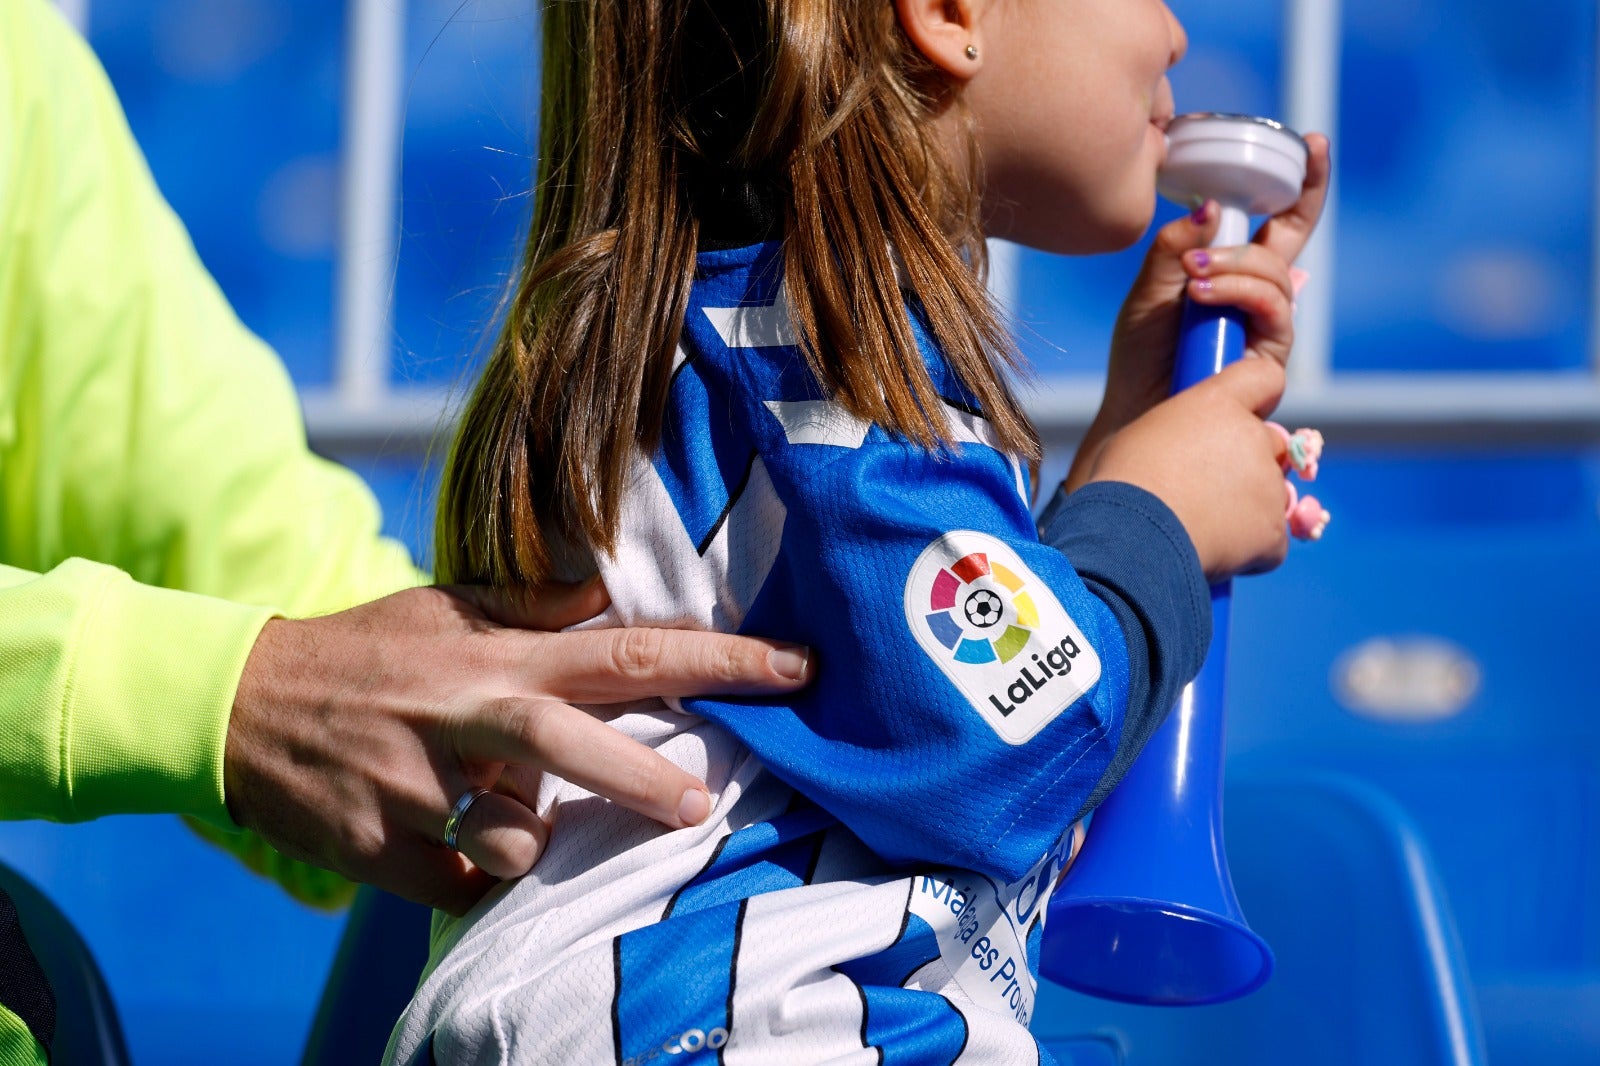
1099	240
1116	230
1110	227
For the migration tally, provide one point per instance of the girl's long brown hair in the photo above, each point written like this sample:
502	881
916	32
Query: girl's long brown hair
647	105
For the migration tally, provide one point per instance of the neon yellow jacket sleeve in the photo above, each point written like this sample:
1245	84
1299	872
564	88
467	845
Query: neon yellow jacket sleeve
141	426
17	1046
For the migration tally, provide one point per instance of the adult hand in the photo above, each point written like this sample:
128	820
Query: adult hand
352	735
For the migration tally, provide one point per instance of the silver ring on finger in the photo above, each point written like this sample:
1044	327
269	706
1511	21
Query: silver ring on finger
452	824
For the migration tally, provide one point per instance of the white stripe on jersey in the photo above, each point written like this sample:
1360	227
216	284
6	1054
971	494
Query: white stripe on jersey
514	962
659	574
766	326
788	1003
988	1043
826	422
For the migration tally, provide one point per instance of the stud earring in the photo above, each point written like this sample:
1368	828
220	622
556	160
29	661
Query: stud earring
972	52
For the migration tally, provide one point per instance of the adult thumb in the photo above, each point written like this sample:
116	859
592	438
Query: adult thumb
1255	383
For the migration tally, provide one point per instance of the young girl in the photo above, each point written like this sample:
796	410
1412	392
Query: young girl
751	378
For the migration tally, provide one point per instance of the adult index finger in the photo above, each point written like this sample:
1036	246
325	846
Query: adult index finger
616	665
1287	233
578	747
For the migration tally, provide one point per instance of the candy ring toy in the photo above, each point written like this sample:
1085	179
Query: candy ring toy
1302	451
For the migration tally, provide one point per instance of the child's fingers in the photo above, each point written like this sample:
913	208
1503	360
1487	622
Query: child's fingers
1280	444
1287	233
1270	308
1163	275
1272	556
1250	259
1257	385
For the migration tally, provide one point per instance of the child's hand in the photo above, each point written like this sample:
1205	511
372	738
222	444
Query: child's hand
1254	278
1208	455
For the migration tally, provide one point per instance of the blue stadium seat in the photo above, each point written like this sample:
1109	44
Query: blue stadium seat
88	1031
1333	874
381	955
1507	792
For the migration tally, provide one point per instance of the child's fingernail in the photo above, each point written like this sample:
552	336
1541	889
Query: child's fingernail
1202	259
1201	213
790	662
694	806
1203	285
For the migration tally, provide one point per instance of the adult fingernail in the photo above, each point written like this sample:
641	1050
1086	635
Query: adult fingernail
790	662
694	807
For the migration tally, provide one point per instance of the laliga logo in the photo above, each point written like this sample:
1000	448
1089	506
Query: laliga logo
982	609
975	608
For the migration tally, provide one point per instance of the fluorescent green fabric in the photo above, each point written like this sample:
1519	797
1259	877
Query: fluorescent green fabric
141	426
17	1046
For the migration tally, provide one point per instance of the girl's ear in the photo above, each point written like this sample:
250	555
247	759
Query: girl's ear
946	32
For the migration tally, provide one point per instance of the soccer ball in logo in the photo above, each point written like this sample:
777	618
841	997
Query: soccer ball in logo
983	608
958	595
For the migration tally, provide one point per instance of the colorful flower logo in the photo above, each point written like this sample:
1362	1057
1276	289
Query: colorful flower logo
972	618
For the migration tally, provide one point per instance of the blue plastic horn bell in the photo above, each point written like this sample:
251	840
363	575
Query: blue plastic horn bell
1147	914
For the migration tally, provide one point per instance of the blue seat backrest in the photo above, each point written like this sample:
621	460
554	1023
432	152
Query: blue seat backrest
87	1032
381	956
1332	874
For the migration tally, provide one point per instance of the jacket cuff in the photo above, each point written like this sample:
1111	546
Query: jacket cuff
152	680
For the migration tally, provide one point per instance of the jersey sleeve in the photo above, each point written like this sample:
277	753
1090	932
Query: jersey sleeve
972	695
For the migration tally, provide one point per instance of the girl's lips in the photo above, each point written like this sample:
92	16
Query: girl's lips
1159	127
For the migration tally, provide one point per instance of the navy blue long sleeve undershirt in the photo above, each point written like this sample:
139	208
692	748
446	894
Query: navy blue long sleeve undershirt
1134	555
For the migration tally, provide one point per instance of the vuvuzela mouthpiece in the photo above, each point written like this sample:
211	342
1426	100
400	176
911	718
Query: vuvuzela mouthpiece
1254	164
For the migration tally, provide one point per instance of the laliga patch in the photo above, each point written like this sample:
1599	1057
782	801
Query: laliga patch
998	633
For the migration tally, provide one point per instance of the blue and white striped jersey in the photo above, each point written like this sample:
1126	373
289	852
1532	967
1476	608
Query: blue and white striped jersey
870	886
972	690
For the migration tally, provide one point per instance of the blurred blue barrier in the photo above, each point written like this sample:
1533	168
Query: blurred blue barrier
1542	1019
1505	791
381	955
